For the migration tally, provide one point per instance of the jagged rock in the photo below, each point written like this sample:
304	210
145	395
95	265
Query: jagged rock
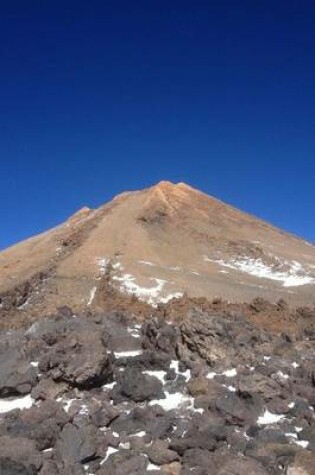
80	359
206	438
17	376
159	454
160	336
151	420
42	424
137	386
105	414
257	383
18	456
198	458
240	466
237	410
303	464
124	462
77	444
48	389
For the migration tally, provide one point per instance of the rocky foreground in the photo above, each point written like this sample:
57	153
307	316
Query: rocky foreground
107	395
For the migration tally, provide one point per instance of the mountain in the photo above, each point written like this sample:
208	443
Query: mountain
202	386
157	244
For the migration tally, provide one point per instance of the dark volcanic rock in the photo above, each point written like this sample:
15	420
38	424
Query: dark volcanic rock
159	454
137	386
17	376
237	410
239	466
41	424
124	462
80	359
77	444
199	458
18	456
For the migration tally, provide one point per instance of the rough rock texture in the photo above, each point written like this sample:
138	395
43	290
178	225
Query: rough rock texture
112	396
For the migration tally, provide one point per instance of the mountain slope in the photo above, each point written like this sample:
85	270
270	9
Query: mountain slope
157	243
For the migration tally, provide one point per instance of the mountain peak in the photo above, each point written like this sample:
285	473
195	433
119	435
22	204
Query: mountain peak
160	242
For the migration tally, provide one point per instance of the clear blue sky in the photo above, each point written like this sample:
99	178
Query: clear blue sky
97	97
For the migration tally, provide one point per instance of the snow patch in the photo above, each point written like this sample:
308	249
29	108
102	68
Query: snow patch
127	354
152	466
134	332
109	385
147	263
24	402
302	443
294	276
176	295
141	433
102	263
269	418
157	374
92	295
175	365
110	451
282	375
173	401
229	373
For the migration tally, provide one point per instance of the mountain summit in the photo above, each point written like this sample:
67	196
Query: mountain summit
156	244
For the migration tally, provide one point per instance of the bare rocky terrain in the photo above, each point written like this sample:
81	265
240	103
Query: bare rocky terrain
156	244
163	333
107	394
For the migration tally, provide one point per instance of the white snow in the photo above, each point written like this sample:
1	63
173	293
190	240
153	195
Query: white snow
24	402
267	358
110	451
152	295
173	401
25	304
34	364
124	445
146	263
293	274
134	332
291	434
149	294
141	433
211	375
109	385
175	365
295	364
230	373
66	404
127	354
269	418
157	374
291	405
175	295
282	375
152	466
232	389
302	443
117	266
102	263
92	295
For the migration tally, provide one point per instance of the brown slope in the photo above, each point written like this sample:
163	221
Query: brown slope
162	241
